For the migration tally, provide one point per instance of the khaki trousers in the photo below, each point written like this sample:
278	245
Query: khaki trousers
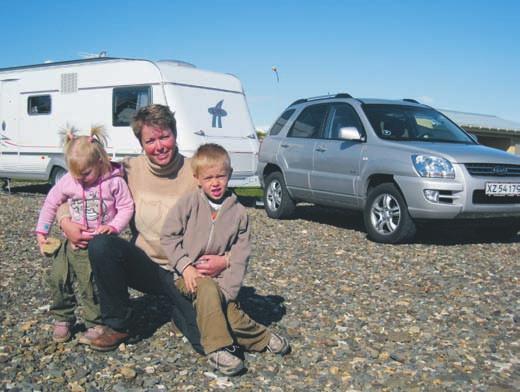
69	266
221	324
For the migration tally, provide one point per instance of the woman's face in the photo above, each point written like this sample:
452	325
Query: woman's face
158	144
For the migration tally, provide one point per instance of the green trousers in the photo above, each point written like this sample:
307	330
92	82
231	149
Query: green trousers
223	323
72	266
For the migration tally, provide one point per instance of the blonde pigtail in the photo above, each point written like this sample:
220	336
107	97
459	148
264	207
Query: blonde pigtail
98	133
67	135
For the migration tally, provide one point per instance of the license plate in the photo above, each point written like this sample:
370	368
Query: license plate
503	189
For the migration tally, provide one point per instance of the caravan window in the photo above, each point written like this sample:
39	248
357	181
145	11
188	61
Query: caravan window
38	104
126	101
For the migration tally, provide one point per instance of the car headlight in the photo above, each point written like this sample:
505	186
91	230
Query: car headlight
433	167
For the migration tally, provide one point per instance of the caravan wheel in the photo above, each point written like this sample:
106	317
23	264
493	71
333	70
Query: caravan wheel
56	174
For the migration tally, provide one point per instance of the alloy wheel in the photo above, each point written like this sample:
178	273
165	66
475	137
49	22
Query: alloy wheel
385	214
274	195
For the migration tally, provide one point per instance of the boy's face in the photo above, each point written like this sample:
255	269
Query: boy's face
213	180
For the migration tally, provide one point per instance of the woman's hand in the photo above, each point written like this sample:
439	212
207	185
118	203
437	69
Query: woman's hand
77	234
211	265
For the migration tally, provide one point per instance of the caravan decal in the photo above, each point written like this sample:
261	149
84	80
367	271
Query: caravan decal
4	140
217	112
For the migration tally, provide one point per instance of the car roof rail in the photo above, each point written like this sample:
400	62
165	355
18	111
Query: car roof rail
328	96
343	95
298	101
411	100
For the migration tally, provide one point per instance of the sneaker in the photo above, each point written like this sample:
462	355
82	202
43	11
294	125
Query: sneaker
278	344
61	332
108	340
90	334
225	362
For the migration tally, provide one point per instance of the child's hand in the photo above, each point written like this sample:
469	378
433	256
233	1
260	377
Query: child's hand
42	240
105	229
190	275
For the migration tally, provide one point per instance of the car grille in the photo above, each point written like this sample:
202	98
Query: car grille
480	197
493	169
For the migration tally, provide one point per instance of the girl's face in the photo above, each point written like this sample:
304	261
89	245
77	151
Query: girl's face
89	175
158	144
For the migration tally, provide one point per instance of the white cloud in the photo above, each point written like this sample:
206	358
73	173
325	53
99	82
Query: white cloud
262	128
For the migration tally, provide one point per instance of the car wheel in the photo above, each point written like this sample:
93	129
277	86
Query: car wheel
386	216
277	202
56	174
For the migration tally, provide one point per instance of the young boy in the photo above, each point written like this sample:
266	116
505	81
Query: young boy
211	221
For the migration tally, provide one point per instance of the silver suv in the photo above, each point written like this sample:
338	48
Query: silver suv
400	162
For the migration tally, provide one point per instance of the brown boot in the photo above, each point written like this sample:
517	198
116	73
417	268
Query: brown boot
108	340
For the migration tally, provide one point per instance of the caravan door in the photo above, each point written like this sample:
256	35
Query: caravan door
212	115
9	122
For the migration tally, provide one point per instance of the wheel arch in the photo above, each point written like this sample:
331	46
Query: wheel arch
55	163
378	179
270	168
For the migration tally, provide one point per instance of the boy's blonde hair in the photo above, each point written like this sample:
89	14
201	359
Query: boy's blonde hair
82	152
208	155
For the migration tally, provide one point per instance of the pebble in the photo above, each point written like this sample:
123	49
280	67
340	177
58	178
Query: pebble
438	314
128	373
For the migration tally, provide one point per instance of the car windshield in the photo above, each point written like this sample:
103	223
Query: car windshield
410	123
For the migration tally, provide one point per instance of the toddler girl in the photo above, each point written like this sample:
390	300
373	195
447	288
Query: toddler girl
100	201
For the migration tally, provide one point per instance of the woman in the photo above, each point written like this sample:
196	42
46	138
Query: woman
156	179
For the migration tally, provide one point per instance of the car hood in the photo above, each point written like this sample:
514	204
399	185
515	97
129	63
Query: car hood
460	153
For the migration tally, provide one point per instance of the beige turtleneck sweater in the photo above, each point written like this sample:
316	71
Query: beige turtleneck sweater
155	190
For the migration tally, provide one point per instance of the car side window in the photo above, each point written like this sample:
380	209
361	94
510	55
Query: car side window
341	116
310	122
280	123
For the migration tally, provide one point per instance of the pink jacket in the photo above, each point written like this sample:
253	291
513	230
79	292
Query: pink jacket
107	202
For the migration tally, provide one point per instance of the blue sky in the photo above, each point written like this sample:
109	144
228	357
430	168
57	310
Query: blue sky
458	55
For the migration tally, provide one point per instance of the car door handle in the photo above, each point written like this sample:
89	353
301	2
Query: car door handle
321	149
200	133
284	145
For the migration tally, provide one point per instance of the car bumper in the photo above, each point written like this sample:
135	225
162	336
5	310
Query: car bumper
458	200
244	181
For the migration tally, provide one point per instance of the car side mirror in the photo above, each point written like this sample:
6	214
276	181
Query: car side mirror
473	136
350	133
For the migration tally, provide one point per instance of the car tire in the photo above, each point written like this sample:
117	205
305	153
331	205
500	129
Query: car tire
386	216
278	203
56	174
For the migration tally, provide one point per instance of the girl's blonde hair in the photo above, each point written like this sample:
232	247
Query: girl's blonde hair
82	152
208	155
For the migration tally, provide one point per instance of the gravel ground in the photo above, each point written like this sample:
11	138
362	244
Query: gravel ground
440	314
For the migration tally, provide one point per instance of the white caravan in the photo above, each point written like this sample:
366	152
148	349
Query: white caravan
37	101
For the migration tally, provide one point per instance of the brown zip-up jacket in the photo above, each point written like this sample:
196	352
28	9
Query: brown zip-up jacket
189	233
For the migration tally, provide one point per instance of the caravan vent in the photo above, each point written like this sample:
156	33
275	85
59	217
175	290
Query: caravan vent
69	83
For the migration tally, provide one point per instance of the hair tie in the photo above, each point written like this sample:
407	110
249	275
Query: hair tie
70	135
91	139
